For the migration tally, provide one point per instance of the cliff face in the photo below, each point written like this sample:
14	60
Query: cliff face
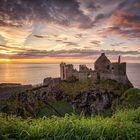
87	98
89	101
93	101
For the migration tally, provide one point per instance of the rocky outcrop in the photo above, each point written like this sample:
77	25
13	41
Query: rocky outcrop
89	101
92	101
29	103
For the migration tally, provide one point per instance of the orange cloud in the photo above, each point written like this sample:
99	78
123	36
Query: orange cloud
125	19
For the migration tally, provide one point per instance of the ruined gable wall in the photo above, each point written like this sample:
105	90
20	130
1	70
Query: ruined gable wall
102	64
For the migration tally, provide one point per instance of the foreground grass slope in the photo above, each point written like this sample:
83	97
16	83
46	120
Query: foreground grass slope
123	125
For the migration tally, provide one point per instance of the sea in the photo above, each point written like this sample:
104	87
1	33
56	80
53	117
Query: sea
35	73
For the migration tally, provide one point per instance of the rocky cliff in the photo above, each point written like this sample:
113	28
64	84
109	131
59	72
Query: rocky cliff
92	101
89	99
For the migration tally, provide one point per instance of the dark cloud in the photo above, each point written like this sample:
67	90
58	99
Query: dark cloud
38	36
95	42
125	16
68	43
125	19
90	5
9	24
59	40
99	17
57	11
126	33
64	12
122	4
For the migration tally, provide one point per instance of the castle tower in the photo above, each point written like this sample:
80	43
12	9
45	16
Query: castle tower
119	59
66	71
102	64
62	71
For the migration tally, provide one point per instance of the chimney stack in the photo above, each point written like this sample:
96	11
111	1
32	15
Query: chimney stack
119	59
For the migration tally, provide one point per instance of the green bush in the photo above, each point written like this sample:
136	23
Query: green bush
123	125
131	98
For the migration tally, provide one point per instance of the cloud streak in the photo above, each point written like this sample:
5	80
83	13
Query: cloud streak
74	53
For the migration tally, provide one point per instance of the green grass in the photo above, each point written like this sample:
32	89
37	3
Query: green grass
123	125
61	106
74	87
131	98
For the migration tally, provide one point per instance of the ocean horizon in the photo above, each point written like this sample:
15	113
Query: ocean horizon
35	73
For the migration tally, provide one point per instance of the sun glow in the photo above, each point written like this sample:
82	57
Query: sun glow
4	60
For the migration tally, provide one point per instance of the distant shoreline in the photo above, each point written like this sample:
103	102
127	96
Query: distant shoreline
59	63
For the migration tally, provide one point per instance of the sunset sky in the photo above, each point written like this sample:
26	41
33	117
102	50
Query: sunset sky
50	31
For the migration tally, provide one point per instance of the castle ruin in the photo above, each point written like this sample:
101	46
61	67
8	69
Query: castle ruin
104	70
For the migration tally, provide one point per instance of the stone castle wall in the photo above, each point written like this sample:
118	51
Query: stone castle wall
118	78
51	81
118	68
104	69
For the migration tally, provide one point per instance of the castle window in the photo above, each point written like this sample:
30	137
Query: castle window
112	68
107	67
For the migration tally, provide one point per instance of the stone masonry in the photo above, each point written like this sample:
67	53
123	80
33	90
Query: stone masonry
104	70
